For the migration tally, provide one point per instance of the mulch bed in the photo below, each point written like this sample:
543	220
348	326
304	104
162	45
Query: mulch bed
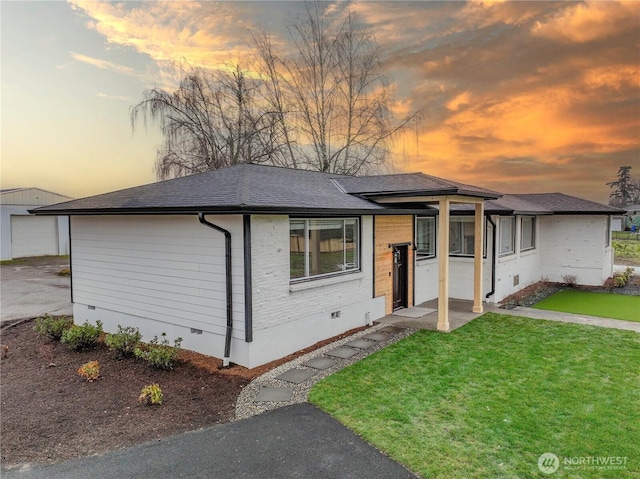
49	413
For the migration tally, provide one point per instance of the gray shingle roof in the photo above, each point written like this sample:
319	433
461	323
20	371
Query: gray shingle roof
409	184
249	188
242	187
559	203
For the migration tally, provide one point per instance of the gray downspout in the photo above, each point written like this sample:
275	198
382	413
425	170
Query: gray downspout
493	259
227	253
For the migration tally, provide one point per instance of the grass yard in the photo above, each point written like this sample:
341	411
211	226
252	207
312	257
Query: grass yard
488	399
615	306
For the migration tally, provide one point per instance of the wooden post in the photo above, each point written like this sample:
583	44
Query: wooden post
477	258
443	264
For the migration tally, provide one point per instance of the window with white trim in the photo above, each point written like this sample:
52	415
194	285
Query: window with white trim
527	233
425	237
462	236
507	235
323	247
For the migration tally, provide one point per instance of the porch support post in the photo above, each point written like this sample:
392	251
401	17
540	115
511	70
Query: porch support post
443	264
477	258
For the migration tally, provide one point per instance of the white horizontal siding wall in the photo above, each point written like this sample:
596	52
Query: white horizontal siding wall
288	317
575	245
160	274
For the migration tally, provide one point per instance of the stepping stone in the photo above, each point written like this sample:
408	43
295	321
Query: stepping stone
296	376
376	336
320	363
391	329
361	344
274	395
343	353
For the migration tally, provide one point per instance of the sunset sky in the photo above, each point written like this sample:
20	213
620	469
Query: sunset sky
518	97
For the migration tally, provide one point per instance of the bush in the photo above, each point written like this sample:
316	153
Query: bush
90	371
151	394
82	337
619	281
570	280
159	354
52	327
124	341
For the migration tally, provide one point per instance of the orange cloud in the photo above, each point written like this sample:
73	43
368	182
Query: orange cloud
103	64
590	21
166	31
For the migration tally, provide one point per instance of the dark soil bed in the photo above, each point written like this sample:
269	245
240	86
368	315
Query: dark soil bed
49	413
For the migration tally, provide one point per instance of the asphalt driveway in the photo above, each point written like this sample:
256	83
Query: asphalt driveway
32	287
297	441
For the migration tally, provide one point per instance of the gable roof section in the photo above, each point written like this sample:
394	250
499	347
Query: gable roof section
242	188
409	184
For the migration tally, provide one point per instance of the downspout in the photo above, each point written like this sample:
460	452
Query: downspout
227	254
493	259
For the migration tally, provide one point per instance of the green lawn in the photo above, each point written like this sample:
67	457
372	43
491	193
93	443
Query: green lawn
486	400
615	306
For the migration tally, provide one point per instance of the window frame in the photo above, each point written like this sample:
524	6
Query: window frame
357	253
534	232
460	219
422	254
512	220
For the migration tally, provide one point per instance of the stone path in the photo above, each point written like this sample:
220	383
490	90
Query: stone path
290	383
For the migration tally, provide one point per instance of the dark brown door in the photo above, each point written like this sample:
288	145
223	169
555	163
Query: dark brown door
400	276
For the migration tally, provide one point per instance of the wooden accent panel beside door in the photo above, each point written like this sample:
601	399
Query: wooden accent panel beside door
391	230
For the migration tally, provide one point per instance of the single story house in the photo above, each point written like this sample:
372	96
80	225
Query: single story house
23	234
251	263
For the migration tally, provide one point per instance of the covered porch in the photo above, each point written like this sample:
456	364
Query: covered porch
425	315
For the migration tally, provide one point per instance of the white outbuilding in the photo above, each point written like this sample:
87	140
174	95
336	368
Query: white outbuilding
23	234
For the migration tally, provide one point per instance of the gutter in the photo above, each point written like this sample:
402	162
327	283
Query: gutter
493	260
227	253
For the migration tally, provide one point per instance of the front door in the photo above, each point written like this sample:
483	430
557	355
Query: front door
400	276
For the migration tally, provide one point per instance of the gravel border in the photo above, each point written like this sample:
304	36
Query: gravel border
245	405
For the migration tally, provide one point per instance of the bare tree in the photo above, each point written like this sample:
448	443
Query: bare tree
210	121
338	103
321	105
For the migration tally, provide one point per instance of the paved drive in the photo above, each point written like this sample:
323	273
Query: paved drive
33	288
298	441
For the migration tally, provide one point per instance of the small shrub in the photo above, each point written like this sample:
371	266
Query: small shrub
151	394
82	337
570	280
124	341
90	371
619	281
52	327
66	272
159	354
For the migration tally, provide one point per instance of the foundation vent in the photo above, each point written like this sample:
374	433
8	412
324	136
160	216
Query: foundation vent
516	280
336	314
